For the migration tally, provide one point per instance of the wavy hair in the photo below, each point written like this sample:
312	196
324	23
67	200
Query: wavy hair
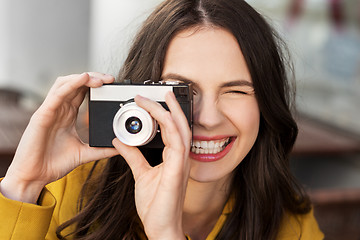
263	187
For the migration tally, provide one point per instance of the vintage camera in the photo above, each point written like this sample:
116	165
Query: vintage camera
113	112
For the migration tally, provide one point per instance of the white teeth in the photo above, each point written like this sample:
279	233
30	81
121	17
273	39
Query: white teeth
209	147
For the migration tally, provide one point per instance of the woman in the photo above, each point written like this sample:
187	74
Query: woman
228	179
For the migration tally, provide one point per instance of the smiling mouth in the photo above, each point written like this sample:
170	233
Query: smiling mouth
209	147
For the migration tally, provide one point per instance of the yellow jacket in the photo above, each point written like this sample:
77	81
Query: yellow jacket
58	201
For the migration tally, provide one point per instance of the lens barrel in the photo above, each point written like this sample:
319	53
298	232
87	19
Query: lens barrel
133	125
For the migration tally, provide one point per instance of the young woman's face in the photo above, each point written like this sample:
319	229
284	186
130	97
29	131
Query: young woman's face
226	115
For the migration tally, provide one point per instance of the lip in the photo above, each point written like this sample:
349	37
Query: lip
212	157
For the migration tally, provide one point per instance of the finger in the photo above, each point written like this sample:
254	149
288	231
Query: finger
64	89
170	133
71	83
92	153
106	78
133	157
96	80
67	88
174	154
76	80
79	98
179	118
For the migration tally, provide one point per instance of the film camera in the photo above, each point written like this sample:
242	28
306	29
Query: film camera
113	113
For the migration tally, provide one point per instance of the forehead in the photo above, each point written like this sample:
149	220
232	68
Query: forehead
210	53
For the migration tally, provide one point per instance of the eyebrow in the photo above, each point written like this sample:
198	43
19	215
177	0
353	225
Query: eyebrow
234	83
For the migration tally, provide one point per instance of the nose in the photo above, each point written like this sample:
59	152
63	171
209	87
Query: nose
206	113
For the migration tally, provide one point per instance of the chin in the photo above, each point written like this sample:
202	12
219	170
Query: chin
208	173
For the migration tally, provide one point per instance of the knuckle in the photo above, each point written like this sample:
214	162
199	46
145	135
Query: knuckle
59	82
168	120
41	115
60	79
181	148
167	115
37	114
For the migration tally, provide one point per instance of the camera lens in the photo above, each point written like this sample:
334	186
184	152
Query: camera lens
133	125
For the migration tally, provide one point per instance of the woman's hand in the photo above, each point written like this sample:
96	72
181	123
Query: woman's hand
50	146
160	191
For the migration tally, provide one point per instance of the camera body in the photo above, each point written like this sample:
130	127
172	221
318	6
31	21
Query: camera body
113	113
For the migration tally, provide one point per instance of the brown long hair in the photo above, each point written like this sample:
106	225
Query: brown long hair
263	187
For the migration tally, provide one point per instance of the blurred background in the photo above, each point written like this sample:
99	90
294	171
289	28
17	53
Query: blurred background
41	40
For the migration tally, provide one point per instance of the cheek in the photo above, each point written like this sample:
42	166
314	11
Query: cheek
244	114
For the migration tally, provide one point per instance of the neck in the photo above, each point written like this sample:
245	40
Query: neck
203	206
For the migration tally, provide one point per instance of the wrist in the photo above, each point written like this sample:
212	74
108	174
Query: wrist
28	192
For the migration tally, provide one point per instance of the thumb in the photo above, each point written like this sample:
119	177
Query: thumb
134	158
90	154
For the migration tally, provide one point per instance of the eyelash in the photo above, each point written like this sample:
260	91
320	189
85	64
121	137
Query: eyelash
237	92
